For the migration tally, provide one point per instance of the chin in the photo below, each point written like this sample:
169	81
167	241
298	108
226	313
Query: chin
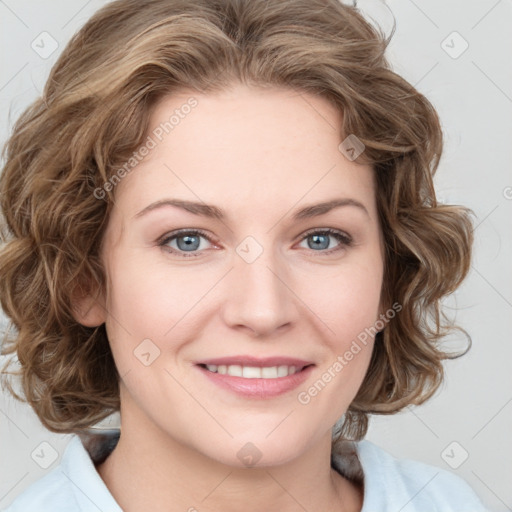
258	451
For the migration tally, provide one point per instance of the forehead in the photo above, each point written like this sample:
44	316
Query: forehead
245	146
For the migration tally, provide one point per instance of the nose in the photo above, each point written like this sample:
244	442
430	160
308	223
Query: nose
259	296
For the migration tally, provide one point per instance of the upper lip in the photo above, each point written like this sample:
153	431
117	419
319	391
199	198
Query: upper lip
257	361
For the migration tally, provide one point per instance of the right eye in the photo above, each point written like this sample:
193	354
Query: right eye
187	241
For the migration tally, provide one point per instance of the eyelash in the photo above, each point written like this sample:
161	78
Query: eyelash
344	239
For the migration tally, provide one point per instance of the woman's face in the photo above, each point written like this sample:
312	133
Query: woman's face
262	291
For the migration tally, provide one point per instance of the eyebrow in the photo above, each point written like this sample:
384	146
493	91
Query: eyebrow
211	211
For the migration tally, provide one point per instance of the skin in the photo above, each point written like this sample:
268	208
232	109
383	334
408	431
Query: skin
259	154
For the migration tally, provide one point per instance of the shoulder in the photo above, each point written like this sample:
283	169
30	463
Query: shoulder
403	484
74	485
50	492
413	485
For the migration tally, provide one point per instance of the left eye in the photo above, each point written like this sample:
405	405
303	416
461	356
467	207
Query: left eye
190	241
320	239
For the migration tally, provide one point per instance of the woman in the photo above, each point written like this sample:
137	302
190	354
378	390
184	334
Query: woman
221	222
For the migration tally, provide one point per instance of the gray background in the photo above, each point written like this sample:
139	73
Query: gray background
471	416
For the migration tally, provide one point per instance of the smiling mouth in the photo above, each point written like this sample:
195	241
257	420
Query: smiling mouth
256	378
254	372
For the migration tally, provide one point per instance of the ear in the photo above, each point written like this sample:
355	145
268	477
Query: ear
88	309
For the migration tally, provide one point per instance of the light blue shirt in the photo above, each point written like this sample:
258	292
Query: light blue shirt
390	484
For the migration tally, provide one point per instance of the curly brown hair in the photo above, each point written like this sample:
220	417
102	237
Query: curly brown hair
93	114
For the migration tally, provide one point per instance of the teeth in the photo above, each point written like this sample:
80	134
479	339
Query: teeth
234	370
269	372
253	372
282	371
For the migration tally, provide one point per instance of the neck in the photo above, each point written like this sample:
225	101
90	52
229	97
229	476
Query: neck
149	470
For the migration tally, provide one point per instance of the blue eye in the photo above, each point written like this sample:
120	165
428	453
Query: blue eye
189	241
320	240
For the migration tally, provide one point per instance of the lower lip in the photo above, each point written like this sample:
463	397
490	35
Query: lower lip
258	388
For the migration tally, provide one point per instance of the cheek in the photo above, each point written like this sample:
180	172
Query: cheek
155	303
347	302
149	299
